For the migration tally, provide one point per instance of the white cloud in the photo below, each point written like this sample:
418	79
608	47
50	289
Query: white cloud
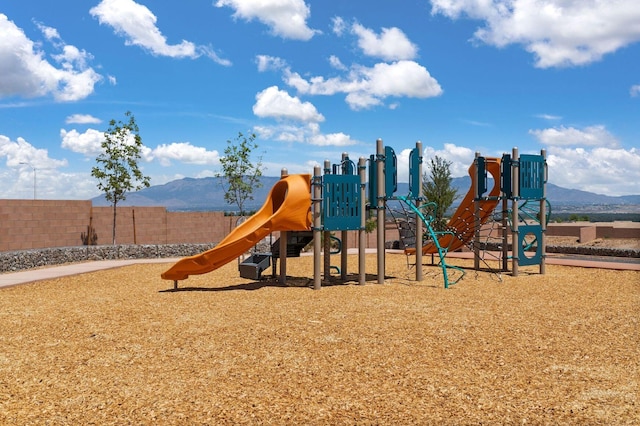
308	134
24	163
391	45
570	136
21	151
598	170
82	119
557	32
336	63
211	54
286	18
549	117
137	24
635	90
87	143
186	153
268	63
25	72
331	139
275	103
367	87
338	26
460	158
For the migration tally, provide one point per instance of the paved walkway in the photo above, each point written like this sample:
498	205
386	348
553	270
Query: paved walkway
22	277
47	273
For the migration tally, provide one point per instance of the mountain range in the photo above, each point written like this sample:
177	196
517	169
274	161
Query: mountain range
206	194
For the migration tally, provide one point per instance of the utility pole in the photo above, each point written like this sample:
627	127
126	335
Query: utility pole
34	177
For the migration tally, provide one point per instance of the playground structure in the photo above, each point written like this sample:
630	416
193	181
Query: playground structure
307	208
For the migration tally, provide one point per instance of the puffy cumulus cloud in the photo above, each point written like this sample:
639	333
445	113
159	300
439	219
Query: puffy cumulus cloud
459	157
21	151
601	170
184	152
82	119
331	139
286	18
367	87
275	103
26	164
25	73
590	159
137	24
87	143
391	44
557	32
309	133
569	136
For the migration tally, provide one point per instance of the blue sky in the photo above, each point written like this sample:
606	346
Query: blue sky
315	78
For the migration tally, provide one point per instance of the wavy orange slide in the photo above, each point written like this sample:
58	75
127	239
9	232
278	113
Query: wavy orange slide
462	223
287	208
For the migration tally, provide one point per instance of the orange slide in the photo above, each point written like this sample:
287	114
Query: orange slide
462	223
287	208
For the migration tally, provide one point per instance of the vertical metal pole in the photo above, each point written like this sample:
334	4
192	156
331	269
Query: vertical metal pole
317	225
505	218
344	236
515	181
362	172
327	237
283	244
543	216
380	204
418	202
476	215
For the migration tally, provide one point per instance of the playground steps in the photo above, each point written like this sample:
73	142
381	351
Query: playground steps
296	241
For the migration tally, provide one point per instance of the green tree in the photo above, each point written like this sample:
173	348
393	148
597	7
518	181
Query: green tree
241	175
117	168
437	188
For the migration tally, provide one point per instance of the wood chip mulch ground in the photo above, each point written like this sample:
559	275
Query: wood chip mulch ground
114	347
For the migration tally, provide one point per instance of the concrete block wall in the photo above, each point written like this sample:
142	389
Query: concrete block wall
197	227
27	224
33	224
134	225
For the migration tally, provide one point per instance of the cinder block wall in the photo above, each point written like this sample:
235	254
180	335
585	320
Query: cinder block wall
30	224
27	224
196	227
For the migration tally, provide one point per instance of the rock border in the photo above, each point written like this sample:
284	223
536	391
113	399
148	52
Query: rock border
13	261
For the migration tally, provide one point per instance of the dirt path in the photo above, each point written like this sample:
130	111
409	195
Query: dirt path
112	347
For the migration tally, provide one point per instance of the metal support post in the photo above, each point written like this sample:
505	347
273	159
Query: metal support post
543	216
344	235
362	235
327	237
283	244
515	181
317	226
380	204
419	229
476	215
